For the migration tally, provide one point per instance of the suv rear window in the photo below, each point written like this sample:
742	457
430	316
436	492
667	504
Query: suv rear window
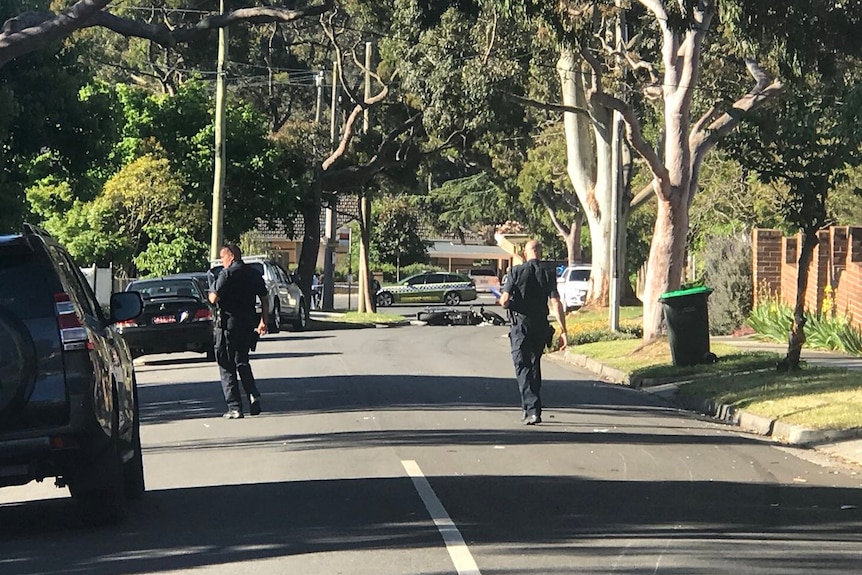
20	280
483	273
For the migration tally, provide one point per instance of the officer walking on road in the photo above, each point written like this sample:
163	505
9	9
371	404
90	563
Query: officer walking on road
235	291
526	295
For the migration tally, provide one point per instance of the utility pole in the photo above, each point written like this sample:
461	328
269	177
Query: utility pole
365	295
330	213
616	183
318	81
220	158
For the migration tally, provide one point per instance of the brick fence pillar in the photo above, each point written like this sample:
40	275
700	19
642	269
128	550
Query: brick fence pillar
766	264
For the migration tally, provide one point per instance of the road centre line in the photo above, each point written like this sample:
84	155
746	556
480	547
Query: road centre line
455	545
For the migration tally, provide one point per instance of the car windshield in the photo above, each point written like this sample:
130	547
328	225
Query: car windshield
580	275
164	289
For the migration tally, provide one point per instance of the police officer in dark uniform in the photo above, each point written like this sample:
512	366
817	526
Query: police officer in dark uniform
526	295
235	291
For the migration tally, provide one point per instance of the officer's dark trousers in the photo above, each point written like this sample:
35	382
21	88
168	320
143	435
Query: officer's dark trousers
232	348
527	347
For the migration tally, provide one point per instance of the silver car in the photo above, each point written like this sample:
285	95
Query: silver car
286	300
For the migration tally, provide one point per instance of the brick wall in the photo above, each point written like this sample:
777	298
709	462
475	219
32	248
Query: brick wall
766	250
836	262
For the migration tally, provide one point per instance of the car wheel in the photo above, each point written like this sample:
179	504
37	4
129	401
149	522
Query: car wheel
133	469
274	324
385	299
301	322
452	298
98	488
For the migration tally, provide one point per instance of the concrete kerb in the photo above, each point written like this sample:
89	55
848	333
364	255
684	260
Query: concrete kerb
773	429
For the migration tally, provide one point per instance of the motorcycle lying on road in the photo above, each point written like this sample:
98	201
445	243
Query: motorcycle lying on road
470	316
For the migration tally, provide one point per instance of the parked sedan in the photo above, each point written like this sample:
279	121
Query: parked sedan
429	287
177	317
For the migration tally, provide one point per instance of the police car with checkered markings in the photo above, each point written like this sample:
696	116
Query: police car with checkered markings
429	287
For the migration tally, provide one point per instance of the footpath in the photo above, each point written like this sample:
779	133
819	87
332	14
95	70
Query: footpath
844	445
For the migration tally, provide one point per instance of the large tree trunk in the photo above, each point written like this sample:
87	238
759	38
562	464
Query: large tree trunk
589	165
311	238
573	240
666	259
796	338
367	297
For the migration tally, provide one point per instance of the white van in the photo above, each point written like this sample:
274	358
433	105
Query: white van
574	285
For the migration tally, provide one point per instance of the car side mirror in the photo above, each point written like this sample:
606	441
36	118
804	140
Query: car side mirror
125	306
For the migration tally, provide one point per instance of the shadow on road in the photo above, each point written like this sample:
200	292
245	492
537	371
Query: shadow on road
697	525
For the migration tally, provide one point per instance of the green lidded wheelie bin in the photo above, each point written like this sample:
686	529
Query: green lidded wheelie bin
687	318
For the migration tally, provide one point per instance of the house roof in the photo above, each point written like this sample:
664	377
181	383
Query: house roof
450	249
346	210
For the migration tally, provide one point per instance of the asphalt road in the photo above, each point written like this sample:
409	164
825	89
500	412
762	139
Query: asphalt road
399	451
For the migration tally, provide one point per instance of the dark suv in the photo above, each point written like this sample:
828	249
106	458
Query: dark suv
68	399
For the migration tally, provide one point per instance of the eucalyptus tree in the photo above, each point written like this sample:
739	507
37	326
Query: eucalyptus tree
545	184
663	59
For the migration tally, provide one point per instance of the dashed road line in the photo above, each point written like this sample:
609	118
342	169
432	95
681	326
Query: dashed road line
455	545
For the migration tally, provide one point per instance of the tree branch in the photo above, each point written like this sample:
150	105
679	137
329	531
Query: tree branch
389	152
547	105
704	137
33	30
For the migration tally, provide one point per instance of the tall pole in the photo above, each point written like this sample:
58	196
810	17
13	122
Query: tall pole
330	214
617	188
318	81
220	159
366	297
367	85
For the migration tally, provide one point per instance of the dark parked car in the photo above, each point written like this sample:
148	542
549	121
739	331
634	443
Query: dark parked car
286	300
177	317
68	398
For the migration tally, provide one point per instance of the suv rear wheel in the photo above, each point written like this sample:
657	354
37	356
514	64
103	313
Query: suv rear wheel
133	469
99	487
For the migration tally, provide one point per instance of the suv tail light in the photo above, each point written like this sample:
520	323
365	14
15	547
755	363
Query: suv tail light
72	332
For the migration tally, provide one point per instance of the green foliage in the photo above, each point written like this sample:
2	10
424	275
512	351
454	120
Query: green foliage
140	221
468	204
51	128
727	269
773	319
605	334
395	235
587	329
261	180
730	200
172	253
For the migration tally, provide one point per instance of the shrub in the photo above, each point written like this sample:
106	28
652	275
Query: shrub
773	319
581	332
727	269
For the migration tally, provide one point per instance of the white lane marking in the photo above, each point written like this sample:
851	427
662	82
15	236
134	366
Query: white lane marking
461	557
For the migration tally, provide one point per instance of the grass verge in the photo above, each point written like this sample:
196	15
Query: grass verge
355	317
815	398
